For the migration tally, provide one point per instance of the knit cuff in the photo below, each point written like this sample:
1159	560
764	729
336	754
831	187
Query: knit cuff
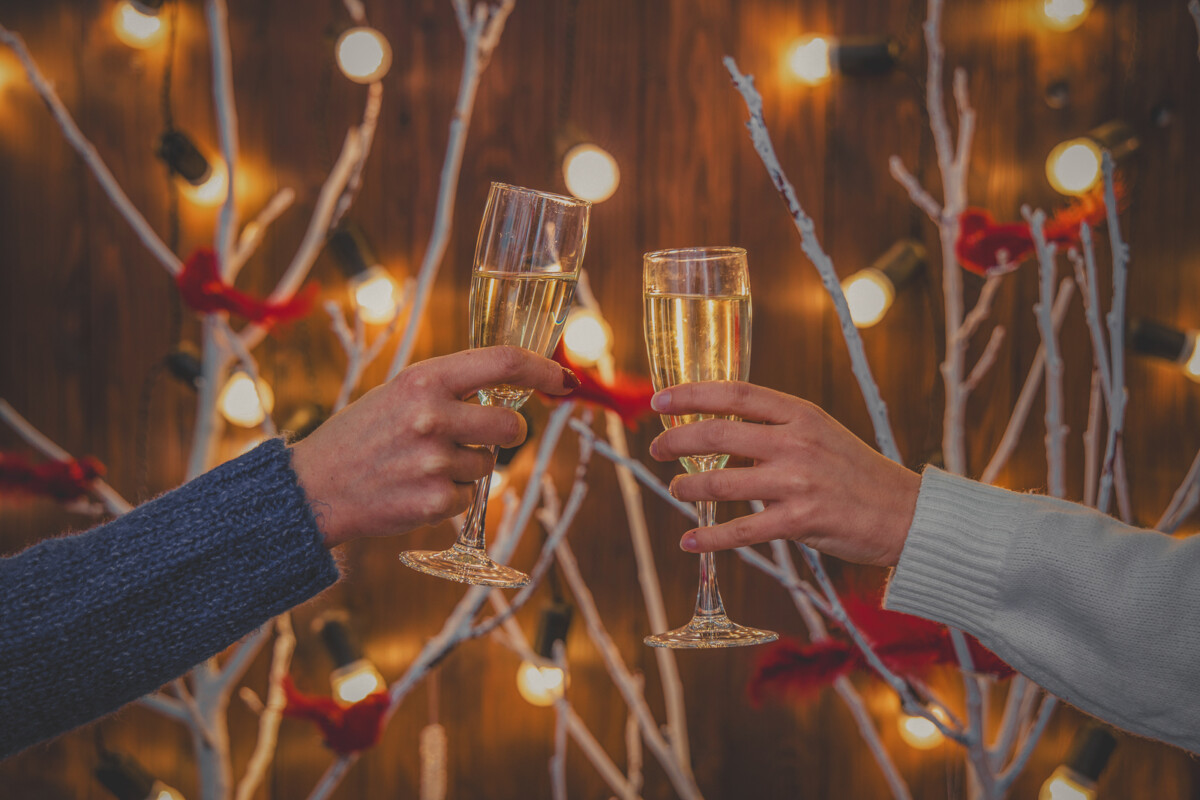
950	567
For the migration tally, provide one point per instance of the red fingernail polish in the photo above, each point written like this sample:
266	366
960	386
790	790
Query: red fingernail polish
570	379
689	542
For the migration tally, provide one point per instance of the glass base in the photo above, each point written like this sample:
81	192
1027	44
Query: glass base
710	632
465	565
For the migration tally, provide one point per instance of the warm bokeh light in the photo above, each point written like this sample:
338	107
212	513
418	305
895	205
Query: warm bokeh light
376	296
869	293
1191	361
591	172
1064	784
161	791
136	28
586	337
355	681
363	55
1065	15
241	405
540	686
921	733
210	191
498	483
1073	167
808	59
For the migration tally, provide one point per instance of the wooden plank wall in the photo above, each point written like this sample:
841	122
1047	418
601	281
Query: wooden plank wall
85	315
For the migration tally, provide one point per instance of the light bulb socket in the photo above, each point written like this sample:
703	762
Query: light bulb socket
861	56
351	250
1116	137
184	364
1156	340
304	420
123	777
901	261
334	630
1090	752
148	7
183	157
553	626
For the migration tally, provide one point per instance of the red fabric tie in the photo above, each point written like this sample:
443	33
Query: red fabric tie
204	291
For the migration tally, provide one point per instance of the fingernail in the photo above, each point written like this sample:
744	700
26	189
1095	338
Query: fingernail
688	543
671	486
661	400
654	448
570	379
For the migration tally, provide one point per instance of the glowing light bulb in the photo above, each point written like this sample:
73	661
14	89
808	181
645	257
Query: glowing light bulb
499	481
1065	784
1073	167
353	682
808	59
1065	15
376	296
1191	361
591	173
209	190
921	733
869	293
161	791
586	337
363	55
135	27
540	686
240	404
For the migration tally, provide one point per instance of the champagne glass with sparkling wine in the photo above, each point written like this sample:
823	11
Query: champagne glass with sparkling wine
527	262
697	319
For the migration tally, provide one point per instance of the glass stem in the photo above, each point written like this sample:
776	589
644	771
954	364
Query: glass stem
471	535
708	599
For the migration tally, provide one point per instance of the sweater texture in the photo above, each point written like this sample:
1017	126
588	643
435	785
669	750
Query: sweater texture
92	621
1100	614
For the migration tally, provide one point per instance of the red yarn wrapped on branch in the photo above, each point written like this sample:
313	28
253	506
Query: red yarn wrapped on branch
205	291
345	730
63	481
628	395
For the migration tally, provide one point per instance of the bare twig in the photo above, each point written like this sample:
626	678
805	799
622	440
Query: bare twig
1184	501
1116	339
272	713
1056	430
252	234
218	35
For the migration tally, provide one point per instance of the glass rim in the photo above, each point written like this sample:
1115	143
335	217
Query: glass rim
557	198
709	253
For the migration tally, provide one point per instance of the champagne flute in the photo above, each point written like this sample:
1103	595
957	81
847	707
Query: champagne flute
527	261
697	322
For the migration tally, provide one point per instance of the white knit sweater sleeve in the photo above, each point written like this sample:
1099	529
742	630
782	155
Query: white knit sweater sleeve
1101	614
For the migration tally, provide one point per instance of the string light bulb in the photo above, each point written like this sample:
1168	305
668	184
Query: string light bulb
126	779
587	337
354	677
363	54
542	683
1075	778
1074	166
813	59
870	292
1065	15
1155	340
591	173
138	24
373	291
241	404
808	59
921	733
204	183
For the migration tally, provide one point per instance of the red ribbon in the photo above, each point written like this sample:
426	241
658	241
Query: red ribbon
628	395
61	480
346	730
204	291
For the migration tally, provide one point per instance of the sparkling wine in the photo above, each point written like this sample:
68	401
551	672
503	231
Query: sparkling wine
694	338
523	309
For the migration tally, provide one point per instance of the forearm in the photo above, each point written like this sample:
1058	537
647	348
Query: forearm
1100	614
92	621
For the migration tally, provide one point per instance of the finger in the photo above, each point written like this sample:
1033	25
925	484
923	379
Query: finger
471	424
735	398
466	372
469	464
721	485
757	528
726	436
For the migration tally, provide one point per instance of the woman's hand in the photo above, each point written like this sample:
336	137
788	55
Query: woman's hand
405	454
820	484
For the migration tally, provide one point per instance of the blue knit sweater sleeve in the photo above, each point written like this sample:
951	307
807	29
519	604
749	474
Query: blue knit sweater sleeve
92	621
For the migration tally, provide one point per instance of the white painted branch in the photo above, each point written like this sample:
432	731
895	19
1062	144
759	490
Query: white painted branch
1085	277
1056	430
480	35
558	761
1033	382
1184	502
241	659
812	248
112	500
250	366
633	750
921	198
866	727
1009	722
638	469
214	361
196	720
87	151
272	713
982	309
976	748
1116	341
1091	440
367	131
252	234
356	11
165	705
1006	778
986	360
222	63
